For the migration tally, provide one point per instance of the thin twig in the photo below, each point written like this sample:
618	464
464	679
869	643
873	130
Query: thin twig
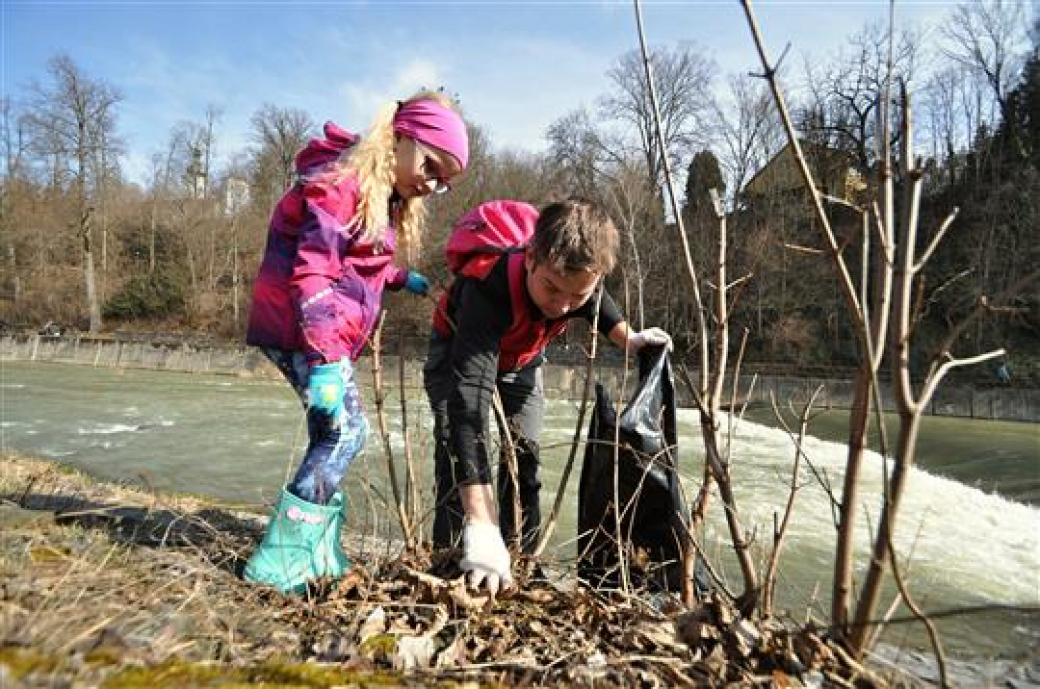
384	431
769	580
412	489
509	449
936	240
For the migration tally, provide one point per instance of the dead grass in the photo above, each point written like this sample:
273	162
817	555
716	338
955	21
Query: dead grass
106	585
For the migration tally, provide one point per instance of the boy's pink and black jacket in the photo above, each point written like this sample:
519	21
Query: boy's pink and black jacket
319	288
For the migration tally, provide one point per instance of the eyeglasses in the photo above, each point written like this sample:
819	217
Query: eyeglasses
431	170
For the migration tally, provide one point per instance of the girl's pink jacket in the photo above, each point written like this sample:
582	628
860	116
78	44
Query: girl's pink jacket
320	288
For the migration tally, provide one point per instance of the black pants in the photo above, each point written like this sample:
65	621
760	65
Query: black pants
523	400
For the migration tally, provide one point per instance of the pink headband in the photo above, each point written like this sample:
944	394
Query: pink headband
436	125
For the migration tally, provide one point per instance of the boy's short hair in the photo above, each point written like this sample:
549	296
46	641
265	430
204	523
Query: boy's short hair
575	235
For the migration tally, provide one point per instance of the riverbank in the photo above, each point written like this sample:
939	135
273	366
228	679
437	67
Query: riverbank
109	585
112	586
561	380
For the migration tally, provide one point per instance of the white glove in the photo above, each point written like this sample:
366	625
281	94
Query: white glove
485	556
650	336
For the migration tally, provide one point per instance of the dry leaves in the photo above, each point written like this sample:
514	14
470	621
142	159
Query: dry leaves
159	584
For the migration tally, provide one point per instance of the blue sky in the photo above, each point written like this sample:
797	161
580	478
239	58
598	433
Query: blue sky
517	66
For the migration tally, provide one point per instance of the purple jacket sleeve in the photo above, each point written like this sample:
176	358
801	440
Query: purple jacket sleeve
325	236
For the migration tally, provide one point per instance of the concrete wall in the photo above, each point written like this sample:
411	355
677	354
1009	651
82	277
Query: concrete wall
111	352
1010	404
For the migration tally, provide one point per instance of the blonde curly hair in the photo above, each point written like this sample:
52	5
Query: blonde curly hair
372	160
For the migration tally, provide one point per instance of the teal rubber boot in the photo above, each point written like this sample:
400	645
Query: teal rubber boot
301	544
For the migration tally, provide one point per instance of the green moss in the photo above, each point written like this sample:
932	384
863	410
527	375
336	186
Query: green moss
270	674
103	657
379	644
23	661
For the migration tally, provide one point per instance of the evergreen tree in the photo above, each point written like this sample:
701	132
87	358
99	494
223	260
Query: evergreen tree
703	174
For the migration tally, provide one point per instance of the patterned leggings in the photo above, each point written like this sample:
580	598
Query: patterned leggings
333	443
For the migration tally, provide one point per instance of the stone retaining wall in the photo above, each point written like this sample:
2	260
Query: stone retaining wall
1012	404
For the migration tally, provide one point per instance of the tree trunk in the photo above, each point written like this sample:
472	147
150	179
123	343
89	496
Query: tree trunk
862	629
234	274
151	238
858	417
640	316
89	278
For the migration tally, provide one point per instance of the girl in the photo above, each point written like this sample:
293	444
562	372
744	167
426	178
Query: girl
329	255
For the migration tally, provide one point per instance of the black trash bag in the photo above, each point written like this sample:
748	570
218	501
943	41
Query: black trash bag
654	517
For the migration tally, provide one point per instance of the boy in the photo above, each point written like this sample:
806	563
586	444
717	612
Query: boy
490	333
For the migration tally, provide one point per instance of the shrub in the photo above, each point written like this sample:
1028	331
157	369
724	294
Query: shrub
158	295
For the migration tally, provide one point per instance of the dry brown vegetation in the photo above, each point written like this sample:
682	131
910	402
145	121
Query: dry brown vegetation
108	585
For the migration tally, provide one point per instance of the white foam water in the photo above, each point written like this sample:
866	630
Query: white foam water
954	536
108	429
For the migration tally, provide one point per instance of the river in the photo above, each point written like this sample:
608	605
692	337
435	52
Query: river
970	522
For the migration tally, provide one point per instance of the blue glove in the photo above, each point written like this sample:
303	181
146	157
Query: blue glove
417	284
325	389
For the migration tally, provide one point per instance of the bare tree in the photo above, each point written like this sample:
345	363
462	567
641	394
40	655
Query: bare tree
846	92
952	109
628	200
278	134
613	155
13	141
235	191
989	38
682	80
189	154
13	138
208	146
202	176
578	150
713	353
748	130
73	120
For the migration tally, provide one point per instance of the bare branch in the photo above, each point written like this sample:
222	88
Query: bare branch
739	281
804	249
384	432
950	364
981	307
936	240
933	634
838	201
769	580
